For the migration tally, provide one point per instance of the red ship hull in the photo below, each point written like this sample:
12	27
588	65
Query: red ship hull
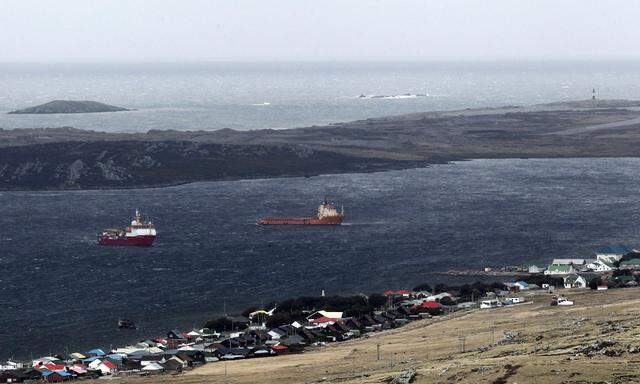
136	241
334	220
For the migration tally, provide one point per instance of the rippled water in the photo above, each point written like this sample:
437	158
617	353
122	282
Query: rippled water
228	95
58	290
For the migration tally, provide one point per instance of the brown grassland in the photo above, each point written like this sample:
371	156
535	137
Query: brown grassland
595	341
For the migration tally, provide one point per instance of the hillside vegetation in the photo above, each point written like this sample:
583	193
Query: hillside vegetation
595	341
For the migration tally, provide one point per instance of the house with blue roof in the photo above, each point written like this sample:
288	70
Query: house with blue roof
609	253
96	352
56	376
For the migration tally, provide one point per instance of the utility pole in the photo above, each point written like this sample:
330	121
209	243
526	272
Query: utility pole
462	340
378	351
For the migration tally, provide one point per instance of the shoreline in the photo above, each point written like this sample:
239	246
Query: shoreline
451	161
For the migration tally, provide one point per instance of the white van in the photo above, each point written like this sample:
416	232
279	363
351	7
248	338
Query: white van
490	304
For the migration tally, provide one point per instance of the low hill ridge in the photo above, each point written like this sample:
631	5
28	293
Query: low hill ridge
69	106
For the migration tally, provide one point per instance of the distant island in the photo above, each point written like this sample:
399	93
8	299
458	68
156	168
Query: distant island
68	158
69	106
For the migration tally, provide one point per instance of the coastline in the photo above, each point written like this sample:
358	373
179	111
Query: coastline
67	158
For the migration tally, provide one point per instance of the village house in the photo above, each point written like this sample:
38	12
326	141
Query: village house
330	315
602	265
535	269
438	297
10	376
575	281
153	368
629	281
560	269
633	264
56	376
107	367
612	254
575	262
402	293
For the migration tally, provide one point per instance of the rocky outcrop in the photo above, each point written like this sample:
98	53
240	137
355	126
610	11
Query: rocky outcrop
69	106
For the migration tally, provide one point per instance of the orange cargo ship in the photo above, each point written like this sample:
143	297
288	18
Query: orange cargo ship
327	215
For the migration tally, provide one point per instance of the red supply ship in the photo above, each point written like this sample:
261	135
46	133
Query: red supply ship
139	233
327	215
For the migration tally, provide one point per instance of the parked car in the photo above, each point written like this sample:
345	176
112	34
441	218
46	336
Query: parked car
485	304
563	301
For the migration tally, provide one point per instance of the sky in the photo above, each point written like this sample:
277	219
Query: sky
319	30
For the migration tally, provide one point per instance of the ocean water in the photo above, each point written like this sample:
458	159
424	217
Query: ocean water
60	292
284	95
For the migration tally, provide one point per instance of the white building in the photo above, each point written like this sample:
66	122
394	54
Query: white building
575	281
536	269
602	265
612	253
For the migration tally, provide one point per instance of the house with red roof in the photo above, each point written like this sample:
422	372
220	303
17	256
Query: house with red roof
431	307
107	367
323	320
54	367
279	348
400	292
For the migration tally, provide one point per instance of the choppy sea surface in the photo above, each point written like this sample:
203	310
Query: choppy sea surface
61	292
284	95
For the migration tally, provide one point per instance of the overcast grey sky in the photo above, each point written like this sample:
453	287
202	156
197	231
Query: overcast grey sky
197	30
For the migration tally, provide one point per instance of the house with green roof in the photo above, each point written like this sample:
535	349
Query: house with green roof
630	264
575	281
560	269
625	279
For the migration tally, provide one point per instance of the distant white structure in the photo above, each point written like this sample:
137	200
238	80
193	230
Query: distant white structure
612	253
602	265
536	269
575	262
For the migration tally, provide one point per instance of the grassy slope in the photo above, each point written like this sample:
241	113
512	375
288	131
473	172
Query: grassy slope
540	354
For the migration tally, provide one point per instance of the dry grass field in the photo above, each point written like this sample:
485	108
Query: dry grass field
595	341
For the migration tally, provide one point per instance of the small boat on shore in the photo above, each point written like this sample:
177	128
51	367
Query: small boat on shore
328	214
140	233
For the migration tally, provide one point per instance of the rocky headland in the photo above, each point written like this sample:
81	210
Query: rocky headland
68	158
